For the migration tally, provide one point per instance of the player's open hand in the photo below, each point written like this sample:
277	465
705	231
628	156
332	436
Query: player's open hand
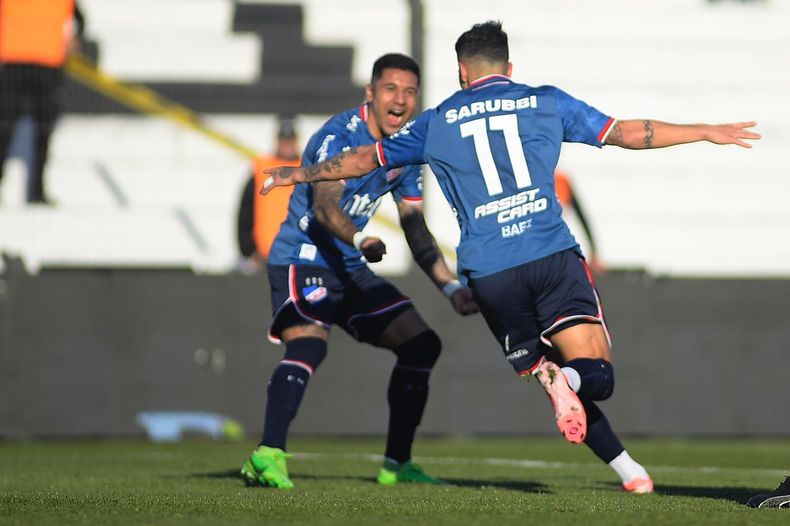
281	176
734	133
373	249
463	303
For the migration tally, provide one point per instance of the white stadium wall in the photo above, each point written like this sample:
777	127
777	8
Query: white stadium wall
139	191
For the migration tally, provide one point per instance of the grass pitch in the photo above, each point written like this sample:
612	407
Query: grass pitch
494	481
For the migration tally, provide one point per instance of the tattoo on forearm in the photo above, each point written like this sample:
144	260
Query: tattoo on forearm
648	139
616	135
334	165
326	204
424	248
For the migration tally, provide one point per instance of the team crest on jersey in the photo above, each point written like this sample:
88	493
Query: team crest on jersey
314	293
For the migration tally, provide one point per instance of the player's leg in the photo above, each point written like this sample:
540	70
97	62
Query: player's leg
579	335
12	97
417	347
297	323
46	107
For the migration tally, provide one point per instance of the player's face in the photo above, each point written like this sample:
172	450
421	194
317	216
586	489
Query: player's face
392	99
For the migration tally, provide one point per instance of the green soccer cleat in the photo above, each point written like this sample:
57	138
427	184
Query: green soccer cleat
266	466
392	473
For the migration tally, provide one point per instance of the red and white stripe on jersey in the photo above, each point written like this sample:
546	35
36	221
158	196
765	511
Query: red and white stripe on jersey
380	154
598	318
363	112
607	128
476	83
412	200
297	363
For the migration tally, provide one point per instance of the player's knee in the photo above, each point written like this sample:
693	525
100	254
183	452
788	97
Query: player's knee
420	352
608	389
596	377
305	352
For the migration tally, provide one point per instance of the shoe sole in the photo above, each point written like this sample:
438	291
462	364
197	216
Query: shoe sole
568	410
782	501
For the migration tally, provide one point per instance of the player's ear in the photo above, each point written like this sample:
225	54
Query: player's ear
463	75
369	92
509	69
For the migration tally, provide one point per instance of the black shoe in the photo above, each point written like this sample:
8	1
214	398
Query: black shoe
778	498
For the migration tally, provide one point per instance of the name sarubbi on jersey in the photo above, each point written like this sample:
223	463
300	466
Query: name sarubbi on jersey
489	106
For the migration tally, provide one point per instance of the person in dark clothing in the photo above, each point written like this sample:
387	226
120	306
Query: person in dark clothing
36	37
259	217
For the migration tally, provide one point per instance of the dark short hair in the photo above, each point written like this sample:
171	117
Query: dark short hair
396	61
484	41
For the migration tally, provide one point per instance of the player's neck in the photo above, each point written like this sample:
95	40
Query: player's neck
374	128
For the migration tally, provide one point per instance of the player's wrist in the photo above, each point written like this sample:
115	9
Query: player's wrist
357	240
451	287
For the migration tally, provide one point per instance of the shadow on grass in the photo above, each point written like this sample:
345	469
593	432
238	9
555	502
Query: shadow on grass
733	494
513	485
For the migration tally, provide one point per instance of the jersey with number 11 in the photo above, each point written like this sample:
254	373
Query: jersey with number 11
493	148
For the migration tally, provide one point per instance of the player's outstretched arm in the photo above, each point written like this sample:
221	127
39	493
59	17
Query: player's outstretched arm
326	205
428	256
640	134
355	162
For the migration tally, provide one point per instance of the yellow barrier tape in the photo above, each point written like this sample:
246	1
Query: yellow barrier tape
144	100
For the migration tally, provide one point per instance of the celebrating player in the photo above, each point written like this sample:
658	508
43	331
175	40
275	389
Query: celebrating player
319	277
494	146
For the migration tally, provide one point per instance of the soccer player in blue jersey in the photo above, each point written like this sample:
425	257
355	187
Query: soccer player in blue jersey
319	277
493	147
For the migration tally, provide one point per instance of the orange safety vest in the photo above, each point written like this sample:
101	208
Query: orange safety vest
270	210
35	31
562	186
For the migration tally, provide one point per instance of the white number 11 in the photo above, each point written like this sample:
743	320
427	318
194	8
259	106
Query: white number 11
508	125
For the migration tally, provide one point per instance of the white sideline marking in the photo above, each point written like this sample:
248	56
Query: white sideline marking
539	464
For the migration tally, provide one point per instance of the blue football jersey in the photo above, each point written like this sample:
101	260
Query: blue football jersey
493	148
302	238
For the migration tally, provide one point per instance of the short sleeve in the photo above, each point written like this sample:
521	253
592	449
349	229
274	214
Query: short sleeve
406	146
581	122
409	187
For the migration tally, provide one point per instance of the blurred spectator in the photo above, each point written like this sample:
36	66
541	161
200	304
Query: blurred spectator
570	204
36	36
260	216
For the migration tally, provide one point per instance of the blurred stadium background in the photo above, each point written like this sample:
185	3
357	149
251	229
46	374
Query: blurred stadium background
125	297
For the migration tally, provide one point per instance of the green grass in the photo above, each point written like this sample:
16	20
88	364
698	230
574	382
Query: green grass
495	481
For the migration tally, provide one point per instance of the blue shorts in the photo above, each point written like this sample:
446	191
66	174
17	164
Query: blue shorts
358	301
525	305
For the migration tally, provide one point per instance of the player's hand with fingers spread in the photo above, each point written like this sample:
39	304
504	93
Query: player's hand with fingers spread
282	176
463	303
373	249
733	133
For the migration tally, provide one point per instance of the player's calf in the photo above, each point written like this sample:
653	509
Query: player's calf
407	392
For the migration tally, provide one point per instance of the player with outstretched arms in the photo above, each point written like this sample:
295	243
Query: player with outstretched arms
319	277
493	147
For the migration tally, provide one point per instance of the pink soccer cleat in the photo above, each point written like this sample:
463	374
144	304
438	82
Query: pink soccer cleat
638	485
568	409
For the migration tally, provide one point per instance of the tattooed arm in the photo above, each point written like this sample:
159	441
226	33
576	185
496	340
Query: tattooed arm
426	253
326	205
355	162
644	134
